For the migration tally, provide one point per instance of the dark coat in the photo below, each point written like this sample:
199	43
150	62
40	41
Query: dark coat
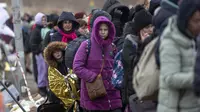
36	40
129	53
110	6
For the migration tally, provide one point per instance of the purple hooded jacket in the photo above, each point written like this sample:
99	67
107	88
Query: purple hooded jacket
88	72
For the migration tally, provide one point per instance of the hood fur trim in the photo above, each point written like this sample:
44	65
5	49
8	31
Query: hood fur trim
48	52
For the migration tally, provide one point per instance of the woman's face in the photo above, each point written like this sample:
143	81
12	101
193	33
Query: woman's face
57	54
103	31
67	25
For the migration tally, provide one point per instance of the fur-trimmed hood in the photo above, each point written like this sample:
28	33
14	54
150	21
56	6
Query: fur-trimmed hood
48	52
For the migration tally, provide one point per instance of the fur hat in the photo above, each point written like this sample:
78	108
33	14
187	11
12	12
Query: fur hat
48	52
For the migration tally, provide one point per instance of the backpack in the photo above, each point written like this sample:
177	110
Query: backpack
71	50
119	41
118	71
146	73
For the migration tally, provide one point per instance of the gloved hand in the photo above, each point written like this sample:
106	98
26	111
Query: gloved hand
117	14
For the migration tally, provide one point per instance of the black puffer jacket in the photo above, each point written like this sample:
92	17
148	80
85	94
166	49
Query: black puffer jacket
129	53
110	6
36	40
63	17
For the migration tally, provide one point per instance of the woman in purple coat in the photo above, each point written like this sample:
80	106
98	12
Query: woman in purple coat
87	67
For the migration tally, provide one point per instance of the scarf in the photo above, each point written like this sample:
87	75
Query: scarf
67	37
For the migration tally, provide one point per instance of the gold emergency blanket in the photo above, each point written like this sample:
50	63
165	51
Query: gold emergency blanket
64	87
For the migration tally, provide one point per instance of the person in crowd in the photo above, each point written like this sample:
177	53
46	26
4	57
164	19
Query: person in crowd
46	27
177	55
26	27
36	48
57	75
135	33
88	66
83	27
167	9
53	19
68	27
119	14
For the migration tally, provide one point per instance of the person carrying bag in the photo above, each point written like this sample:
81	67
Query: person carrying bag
93	64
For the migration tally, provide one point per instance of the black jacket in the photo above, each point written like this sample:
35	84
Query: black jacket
36	40
129	53
110	6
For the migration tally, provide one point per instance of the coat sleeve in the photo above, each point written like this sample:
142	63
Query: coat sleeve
79	65
58	86
171	75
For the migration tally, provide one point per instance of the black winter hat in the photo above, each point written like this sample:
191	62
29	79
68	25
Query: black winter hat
142	18
186	9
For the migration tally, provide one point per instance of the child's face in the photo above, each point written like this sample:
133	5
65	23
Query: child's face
103	31
57	54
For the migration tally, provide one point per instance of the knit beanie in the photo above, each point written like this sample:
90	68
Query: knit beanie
142	18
